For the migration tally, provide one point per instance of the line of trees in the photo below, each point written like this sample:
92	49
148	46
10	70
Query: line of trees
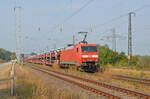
109	57
6	55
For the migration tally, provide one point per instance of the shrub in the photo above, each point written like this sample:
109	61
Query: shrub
108	56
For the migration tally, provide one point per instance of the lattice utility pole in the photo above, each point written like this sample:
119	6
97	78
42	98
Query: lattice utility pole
130	37
114	38
19	34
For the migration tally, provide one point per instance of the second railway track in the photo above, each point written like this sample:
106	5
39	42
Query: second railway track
132	79
119	90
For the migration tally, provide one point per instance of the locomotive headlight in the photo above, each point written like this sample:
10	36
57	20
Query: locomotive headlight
95	56
84	56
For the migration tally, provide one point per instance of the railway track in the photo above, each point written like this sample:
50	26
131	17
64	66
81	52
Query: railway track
133	79
63	76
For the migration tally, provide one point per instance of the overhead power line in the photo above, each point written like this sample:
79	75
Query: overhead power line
141	8
74	13
123	15
80	9
114	19
62	10
113	37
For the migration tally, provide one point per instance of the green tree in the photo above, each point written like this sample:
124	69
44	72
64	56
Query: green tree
5	55
108	56
144	61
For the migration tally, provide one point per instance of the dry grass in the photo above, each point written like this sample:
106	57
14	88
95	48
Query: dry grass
106	76
29	86
5	85
130	72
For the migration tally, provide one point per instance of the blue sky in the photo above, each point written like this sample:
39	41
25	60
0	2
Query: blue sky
46	14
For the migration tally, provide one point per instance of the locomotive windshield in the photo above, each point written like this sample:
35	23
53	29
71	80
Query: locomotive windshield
89	49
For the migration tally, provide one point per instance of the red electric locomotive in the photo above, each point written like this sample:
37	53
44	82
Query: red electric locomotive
83	56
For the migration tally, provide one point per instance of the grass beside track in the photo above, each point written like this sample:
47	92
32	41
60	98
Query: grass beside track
4	82
29	86
130	72
106	76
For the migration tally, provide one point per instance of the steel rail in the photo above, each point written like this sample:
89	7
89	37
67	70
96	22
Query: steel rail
106	85
110	96
124	90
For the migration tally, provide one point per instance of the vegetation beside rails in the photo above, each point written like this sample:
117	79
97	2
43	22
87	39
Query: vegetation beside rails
4	83
129	72
109	57
29	86
106	76
6	55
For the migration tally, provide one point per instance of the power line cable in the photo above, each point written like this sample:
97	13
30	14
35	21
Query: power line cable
141	8
123	15
60	11
114	19
75	13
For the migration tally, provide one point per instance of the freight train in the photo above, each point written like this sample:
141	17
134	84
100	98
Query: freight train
84	56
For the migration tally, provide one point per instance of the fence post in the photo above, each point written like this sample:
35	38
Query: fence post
12	80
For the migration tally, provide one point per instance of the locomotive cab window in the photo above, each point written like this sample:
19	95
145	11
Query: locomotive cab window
89	49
